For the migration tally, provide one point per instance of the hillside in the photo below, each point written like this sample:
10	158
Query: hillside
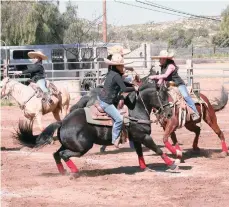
180	33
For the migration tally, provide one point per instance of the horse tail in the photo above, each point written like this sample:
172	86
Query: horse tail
219	103
25	136
222	102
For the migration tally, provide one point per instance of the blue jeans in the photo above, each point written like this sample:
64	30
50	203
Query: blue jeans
183	90
42	84
116	117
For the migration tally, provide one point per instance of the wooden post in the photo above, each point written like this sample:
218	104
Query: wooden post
148	57
104	21
189	67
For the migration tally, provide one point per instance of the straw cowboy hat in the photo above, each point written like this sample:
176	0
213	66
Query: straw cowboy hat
116	59
164	54
38	54
117	49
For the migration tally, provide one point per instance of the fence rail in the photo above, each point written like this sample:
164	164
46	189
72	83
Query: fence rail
96	74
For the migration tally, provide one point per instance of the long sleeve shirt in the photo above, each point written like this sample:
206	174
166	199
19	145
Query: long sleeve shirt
113	85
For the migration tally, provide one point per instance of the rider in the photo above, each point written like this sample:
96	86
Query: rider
37	72
169	72
113	85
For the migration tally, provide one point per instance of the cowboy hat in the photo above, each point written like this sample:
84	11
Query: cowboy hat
164	54
116	59
117	49
38	54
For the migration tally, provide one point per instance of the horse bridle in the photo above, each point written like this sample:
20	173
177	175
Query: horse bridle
162	106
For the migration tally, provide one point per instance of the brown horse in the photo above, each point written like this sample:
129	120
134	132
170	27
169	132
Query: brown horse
31	104
207	112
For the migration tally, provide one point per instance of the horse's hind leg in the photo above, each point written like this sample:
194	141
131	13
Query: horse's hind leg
65	155
38	118
211	120
191	126
56	114
65	109
57	158
148	142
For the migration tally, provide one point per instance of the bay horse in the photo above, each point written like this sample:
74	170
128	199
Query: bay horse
31	104
207	113
77	136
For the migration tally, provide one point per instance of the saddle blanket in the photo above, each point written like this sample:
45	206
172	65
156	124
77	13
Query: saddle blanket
94	116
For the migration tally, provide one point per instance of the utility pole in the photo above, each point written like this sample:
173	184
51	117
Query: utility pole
104	22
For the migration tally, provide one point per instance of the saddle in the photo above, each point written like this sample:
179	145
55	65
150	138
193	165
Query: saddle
46	98
97	116
185	111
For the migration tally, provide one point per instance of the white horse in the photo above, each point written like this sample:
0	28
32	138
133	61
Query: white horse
32	105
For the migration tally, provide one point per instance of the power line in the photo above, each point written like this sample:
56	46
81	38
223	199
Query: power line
149	8
174	10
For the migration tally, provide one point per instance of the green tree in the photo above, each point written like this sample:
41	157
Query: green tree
31	23
222	37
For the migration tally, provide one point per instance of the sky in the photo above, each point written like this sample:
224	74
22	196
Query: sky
121	14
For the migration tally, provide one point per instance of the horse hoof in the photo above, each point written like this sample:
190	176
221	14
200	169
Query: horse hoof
74	176
173	166
224	154
102	149
64	172
179	153
177	161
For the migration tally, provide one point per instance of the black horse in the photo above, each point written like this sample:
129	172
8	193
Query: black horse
77	136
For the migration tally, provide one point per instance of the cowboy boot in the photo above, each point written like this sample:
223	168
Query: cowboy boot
117	142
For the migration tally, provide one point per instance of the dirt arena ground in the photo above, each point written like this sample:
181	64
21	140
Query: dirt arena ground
113	178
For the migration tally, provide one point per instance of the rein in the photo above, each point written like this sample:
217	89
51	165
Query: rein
22	106
161	109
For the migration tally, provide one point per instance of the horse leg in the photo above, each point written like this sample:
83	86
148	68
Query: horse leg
65	109
211	120
191	126
170	127
65	155
59	164
56	114
103	148
148	142
38	118
138	149
175	141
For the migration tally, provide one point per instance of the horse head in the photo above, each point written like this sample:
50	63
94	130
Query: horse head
5	87
156	98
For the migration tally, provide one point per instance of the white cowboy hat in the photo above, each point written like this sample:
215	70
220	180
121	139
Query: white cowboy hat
116	59
164	54
37	54
117	49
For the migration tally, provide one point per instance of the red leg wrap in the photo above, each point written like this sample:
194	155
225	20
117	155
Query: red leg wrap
170	147
142	163
166	159
60	168
224	147
72	166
